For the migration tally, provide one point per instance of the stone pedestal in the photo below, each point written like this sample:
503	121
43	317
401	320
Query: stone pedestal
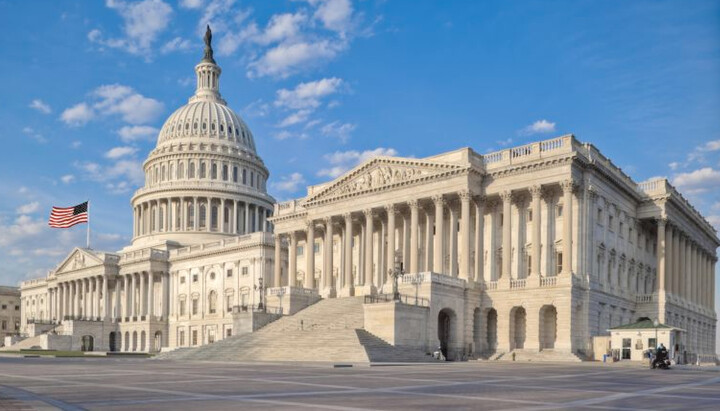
399	324
250	321
291	299
346	292
365	290
328	292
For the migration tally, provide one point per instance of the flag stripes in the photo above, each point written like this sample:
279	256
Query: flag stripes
64	217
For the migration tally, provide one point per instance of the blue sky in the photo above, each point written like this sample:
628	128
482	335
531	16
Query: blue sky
324	84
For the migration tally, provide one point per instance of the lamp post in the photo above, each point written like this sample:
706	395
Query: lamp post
656	323
396	272
416	281
280	294
259	287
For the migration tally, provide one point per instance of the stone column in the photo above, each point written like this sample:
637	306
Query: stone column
97	297
168	214
292	263
390	262
235	218
81	299
247	218
536	194
327	273
687	268
310	256
196	215
151	295
164	295
506	197
133	285
143	295
711	289
348	286
676	264
369	229
277	262
453	240
413	236
479	238
429	227
465	235
568	187
661	259
439	243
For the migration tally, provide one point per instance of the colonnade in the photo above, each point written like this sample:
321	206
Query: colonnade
443	234
687	269
195	213
137	301
84	298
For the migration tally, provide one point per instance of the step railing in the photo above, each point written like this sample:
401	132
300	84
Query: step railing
401	298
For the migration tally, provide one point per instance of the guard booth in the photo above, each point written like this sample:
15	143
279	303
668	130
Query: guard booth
630	342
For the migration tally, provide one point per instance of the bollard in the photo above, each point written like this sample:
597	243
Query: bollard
513	357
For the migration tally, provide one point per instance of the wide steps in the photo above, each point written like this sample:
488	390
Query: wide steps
331	330
547	355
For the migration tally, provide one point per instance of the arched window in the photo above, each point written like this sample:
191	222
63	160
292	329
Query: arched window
171	176
244	176
164	174
212	302
235	174
202	170
213	172
160	211
191	170
226	217
203	214
190	216
214	218
225	172
181	171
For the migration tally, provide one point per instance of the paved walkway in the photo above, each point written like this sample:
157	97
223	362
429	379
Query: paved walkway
75	384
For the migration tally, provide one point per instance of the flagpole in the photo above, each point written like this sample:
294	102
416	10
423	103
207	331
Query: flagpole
88	224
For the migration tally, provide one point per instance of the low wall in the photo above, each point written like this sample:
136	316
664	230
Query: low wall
399	324
251	321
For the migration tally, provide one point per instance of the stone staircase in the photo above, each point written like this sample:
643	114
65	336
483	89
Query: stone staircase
330	330
546	355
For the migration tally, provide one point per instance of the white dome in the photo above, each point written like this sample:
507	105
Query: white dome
209	119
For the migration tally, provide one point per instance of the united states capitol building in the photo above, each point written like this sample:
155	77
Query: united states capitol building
536	250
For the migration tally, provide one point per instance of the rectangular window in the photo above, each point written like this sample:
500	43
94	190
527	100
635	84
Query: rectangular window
529	265
229	273
228	332
559	209
181	338
529	216
620	229
300	250
182	307
4	325
610	223
195	278
228	303
194	337
244	271
182	280
630	234
4	307
558	263
317	248
599	216
501	219
195	306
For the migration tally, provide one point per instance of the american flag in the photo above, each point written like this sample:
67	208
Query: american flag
64	217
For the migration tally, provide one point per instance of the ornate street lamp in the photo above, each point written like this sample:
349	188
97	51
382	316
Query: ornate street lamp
396	272
656	323
280	294
259	287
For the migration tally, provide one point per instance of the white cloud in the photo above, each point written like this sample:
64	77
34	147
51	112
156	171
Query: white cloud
289	183
299	116
176	44
143	22
307	95
110	99
286	59
538	127
335	15
23	226
698	181
135	133
77	115
674	165
282	27
343	161
712	145
28	208
40	106
191	4
28	131
133	107
118	152
338	130
67	178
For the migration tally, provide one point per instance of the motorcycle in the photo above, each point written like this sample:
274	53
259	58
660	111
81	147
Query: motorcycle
661	361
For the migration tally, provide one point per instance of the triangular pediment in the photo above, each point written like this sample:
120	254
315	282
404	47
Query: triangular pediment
382	173
78	259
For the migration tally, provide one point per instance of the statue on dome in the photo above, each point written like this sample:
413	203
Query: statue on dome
208	46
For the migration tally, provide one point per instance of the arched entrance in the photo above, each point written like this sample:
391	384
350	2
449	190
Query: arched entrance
143	341
518	319
477	330
491	324
134	341
112	341
127	341
158	340
87	343
446	331
548	327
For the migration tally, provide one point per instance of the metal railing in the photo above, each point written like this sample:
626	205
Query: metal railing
257	309
403	298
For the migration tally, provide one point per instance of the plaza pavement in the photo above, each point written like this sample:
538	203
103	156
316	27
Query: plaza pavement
140	384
